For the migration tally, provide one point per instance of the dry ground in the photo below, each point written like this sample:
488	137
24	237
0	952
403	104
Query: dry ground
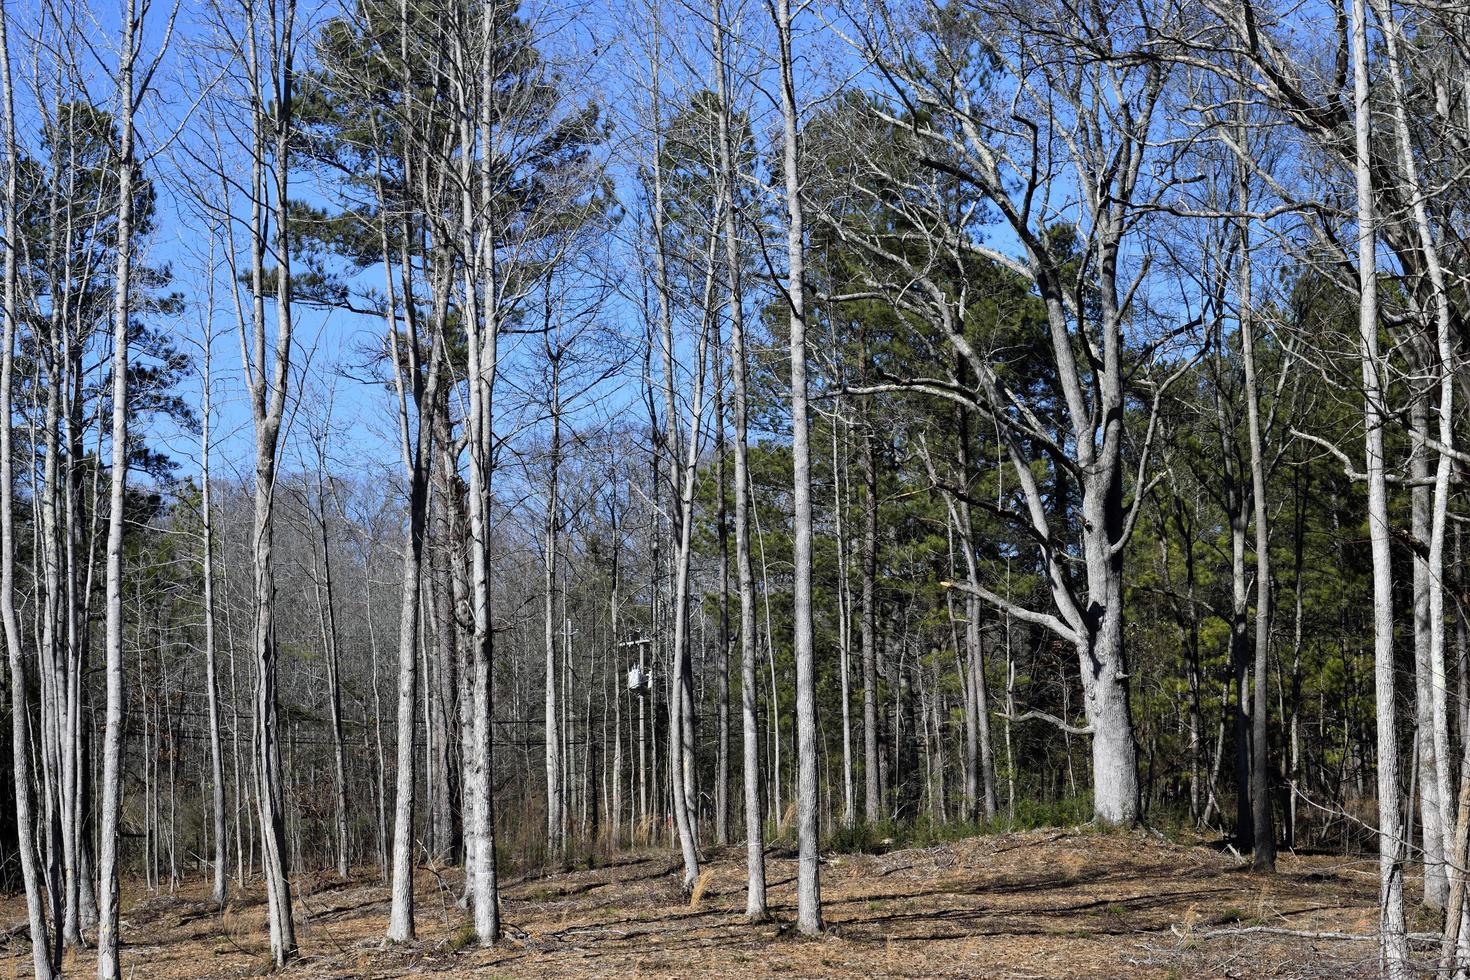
1062	903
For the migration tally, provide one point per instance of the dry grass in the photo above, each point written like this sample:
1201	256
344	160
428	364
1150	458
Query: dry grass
1040	904
701	885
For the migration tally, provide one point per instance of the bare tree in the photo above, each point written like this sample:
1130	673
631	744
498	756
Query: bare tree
42	951
218	893
1395	948
1099	119
556	809
416	386
755	861
808	888
269	65
109	964
1264	857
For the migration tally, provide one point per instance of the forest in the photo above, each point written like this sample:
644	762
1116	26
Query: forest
852	487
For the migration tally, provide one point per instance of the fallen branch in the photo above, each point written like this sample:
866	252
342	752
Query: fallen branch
1362	937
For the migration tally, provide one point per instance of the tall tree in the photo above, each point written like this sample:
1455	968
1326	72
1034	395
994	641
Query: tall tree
1395	947
109	963
270	68
808	887
755	860
219	888
42	952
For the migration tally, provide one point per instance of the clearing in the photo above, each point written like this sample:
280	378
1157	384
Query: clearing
1058	903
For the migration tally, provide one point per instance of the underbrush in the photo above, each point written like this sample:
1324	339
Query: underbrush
876	838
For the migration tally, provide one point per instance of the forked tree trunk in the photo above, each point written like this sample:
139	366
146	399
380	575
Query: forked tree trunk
680	743
680	765
420	396
267	376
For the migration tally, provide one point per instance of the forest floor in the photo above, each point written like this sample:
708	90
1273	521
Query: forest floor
1058	903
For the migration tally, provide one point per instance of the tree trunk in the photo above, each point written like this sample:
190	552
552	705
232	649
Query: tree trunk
1264	835
1433	833
872	798
722	656
808	888
1101	654
327	617
844	618
1440	364
1395	947
218	893
109	965
755	860
680	697
481	315
555	807
20	760
420	396
980	755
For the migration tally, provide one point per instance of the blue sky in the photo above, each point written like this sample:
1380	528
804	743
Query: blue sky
596	49
603	53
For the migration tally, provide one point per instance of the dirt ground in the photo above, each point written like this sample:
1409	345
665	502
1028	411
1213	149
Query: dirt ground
1061	903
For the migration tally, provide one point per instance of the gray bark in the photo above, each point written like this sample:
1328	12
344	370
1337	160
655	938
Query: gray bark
25	802
755	860
109	964
722	530
267	375
482	300
1395	947
872	797
1264	858
556	823
808	887
1443	365
418	395
218	891
844	618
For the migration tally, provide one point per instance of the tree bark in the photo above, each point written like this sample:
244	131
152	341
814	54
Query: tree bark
109	964
1395	947
1264	858
755	860
722	656
25	802
808	888
219	890
267	381
872	797
416	444
555	806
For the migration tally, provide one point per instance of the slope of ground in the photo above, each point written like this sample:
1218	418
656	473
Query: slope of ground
1066	903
